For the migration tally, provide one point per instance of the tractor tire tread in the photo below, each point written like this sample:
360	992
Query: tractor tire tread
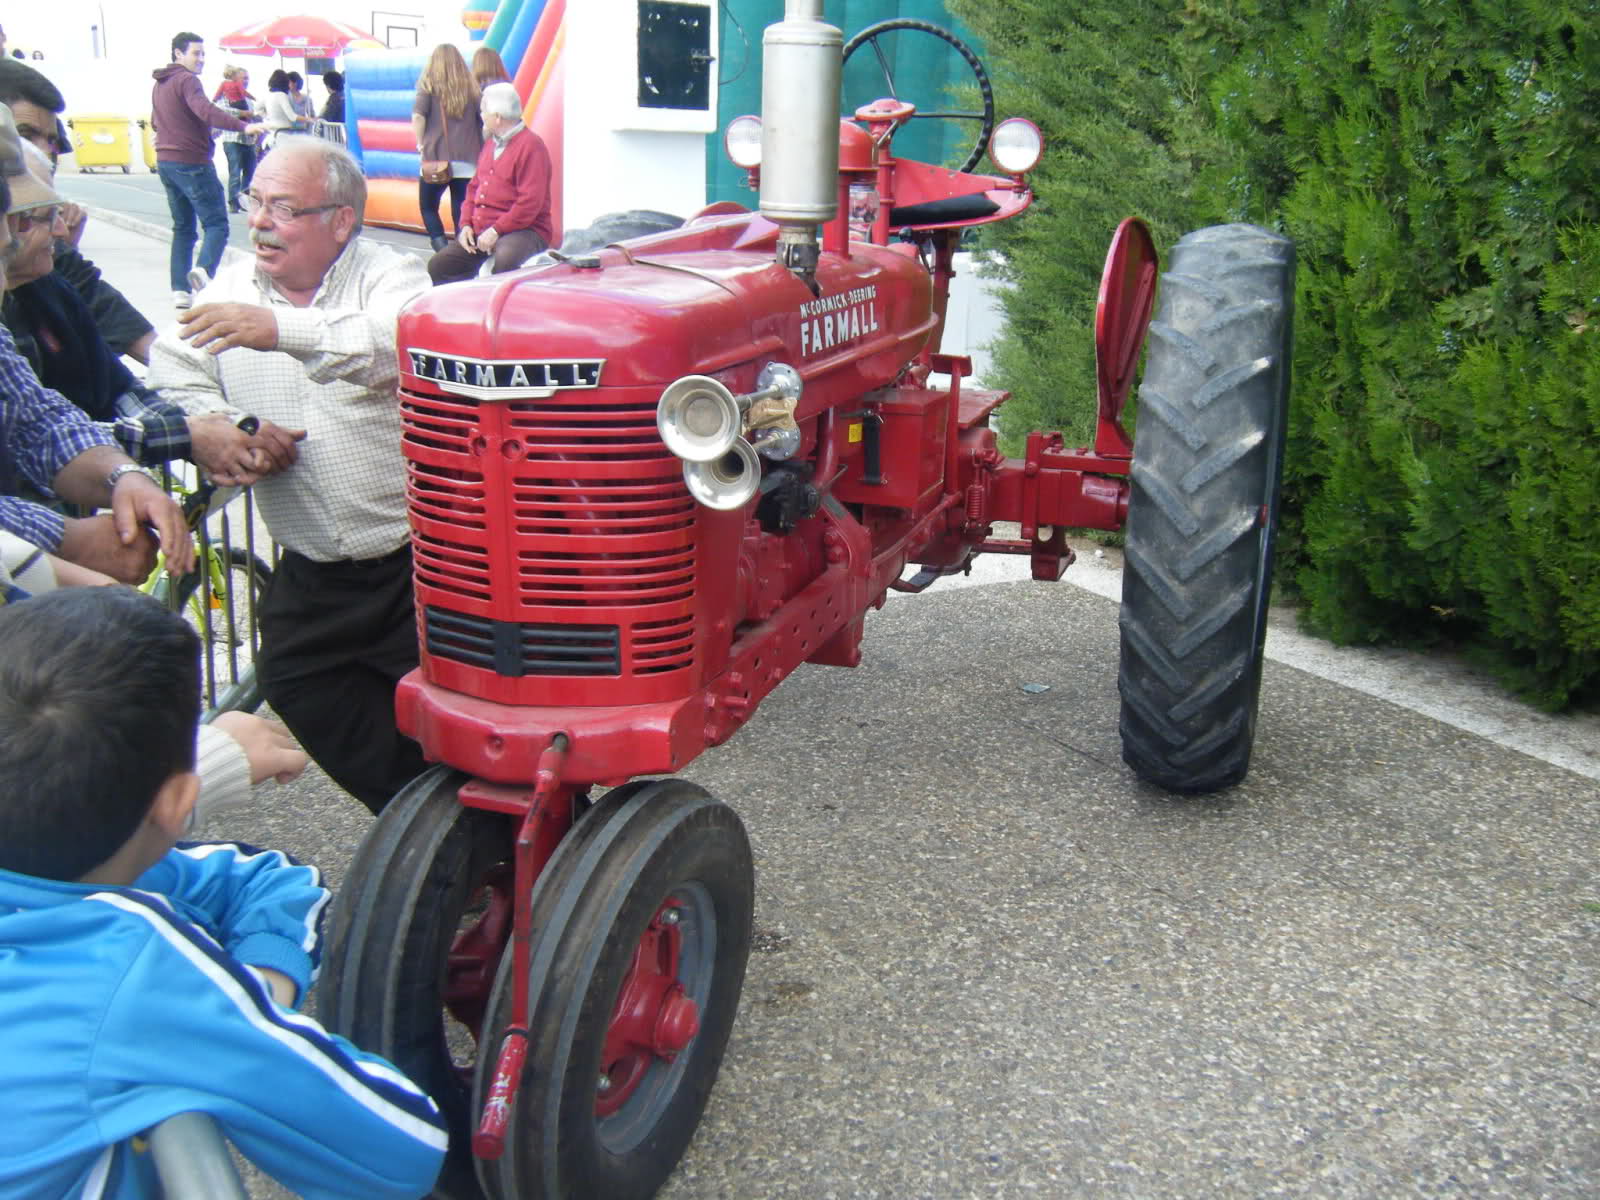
1207	459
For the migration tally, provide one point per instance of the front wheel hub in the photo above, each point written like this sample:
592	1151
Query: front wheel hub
654	1019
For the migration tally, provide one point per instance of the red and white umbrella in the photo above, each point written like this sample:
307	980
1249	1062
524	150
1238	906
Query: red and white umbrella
298	37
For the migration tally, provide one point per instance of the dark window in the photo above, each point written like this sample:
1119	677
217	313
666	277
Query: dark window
674	55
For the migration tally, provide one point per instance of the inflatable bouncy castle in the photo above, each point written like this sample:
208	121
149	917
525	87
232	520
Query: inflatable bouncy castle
380	86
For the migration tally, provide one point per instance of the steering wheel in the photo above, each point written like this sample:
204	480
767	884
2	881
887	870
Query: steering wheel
870	36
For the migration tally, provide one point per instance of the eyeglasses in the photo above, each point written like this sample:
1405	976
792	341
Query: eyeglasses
281	210
36	216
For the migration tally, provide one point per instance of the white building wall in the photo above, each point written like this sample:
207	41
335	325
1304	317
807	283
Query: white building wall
618	156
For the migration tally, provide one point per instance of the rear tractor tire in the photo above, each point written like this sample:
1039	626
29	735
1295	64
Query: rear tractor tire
1207	459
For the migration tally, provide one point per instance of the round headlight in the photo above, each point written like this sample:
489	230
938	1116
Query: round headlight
743	142
1016	146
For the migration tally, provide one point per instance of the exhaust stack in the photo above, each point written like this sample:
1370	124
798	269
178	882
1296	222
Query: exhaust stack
801	57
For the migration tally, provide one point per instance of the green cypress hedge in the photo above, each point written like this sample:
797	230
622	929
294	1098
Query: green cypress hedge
1438	166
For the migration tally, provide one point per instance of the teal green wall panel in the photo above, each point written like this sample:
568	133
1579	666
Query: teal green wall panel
924	67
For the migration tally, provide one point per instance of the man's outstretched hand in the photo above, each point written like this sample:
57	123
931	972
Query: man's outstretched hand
218	327
138	505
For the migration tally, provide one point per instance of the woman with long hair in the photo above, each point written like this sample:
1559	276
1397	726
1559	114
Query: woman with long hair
488	67
449	131
280	114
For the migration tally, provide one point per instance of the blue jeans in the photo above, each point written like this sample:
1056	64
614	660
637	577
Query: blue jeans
241	166
194	191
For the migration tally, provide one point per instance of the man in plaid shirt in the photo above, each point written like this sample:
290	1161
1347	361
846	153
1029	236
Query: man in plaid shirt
55	331
49	443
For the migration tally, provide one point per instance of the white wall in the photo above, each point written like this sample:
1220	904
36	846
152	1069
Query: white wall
617	156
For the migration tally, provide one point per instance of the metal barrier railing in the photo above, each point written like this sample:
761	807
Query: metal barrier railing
192	1160
333	131
221	597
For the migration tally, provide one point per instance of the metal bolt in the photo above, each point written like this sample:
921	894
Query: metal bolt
671	917
605	1083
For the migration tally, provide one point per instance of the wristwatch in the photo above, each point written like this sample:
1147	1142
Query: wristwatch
128	468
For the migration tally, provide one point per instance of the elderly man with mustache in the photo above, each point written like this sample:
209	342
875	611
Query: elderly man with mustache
303	338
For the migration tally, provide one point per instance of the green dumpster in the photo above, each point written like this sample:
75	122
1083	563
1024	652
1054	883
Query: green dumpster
100	140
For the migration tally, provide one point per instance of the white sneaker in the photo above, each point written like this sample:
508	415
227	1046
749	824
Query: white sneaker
181	299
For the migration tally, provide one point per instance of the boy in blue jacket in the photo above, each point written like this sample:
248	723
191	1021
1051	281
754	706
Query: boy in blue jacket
142	977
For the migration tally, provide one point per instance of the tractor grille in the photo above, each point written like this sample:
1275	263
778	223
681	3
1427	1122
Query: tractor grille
513	650
593	511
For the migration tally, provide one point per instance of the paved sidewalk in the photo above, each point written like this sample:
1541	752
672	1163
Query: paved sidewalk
991	963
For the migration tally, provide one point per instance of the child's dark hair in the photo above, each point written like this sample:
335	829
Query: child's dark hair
99	700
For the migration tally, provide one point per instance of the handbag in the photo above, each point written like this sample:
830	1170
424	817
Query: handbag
436	170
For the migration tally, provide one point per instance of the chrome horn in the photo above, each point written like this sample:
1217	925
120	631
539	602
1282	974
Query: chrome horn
702	422
699	418
726	482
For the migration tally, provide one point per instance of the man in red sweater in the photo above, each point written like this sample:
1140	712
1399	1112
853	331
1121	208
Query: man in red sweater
507	211
183	120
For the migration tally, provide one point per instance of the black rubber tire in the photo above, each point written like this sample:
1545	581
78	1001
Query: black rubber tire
870	35
392	927
1207	459
610	228
591	907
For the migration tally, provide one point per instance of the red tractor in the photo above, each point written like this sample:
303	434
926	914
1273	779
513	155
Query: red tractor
647	483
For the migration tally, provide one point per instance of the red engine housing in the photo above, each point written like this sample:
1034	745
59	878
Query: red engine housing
561	563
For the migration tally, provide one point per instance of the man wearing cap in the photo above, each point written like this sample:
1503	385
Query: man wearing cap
53	330
183	120
47	442
36	104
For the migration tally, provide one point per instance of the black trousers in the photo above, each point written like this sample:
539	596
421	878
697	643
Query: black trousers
335	639
511	250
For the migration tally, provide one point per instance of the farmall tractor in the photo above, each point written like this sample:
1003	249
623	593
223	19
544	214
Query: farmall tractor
648	482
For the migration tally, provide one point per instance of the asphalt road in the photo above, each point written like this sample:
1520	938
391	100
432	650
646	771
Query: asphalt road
991	963
139	196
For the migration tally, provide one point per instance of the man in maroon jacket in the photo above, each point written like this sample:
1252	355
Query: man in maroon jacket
507	210
183	120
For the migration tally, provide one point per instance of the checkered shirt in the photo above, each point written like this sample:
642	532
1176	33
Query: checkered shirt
41	431
335	375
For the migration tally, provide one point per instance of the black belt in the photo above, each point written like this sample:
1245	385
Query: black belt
355	564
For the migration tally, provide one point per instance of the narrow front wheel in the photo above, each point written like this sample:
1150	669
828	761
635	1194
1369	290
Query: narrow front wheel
642	929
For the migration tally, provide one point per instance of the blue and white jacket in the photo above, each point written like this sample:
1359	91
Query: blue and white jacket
120	1007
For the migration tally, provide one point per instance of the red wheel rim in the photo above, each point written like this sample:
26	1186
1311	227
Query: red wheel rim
654	1018
475	953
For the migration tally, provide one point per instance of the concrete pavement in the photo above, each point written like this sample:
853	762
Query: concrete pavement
991	963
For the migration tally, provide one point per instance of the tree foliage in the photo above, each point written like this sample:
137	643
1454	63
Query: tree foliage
1101	81
1435	162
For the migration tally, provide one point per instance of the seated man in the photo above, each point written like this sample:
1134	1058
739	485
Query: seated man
46	442
507	210
37	105
146	978
304	336
55	332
